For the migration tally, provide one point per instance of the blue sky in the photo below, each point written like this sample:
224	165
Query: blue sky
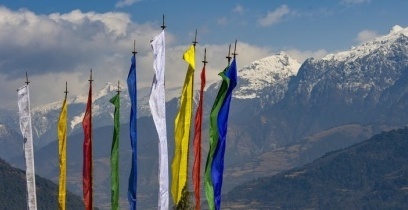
58	41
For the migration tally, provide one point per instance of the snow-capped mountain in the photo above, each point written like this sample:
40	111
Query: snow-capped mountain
273	71
365	84
262	83
365	70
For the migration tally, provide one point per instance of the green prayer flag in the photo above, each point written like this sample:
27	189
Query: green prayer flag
114	160
208	186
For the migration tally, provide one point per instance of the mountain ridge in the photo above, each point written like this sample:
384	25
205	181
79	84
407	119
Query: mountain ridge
369	175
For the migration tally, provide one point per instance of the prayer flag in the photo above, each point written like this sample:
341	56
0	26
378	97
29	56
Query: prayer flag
217	169
114	160
157	105
208	184
132	88
87	153
26	130
182	129
197	143
62	151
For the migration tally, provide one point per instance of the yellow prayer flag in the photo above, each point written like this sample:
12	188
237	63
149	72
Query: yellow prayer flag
62	151
182	130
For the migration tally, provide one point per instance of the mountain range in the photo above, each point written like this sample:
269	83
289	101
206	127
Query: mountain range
284	114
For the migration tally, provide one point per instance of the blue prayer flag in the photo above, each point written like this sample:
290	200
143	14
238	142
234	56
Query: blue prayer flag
131	82
217	170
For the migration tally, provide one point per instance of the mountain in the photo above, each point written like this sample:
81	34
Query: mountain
13	191
369	175
11	143
353	94
364	85
260	84
45	118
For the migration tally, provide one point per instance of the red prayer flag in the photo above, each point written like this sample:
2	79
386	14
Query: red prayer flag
197	143
87	152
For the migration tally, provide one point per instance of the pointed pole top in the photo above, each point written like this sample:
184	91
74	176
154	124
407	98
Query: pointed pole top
66	88
27	82
90	77
195	39
118	90
235	49
134	47
163	26
205	56
229	54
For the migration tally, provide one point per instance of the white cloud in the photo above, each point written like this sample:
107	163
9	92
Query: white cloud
123	3
63	47
355	1
274	16
66	46
366	35
239	9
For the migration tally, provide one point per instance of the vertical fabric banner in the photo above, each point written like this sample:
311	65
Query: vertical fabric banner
217	169
157	105
182	125
26	131
87	153
197	143
62	152
208	184
114	160
132	88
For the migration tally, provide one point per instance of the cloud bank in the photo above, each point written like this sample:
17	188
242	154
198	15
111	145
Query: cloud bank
56	48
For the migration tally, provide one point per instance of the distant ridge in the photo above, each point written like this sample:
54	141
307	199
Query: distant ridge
370	175
13	191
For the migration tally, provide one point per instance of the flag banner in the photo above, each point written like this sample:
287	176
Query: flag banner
197	143
114	160
217	169
62	152
132	88
182	125
157	105
26	130
208	185
87	153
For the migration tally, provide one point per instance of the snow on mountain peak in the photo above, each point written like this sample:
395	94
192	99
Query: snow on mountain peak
265	72
396	29
109	87
368	47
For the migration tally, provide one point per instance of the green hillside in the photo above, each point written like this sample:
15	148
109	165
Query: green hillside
13	191
369	175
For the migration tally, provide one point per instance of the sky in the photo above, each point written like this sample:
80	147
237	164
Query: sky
60	41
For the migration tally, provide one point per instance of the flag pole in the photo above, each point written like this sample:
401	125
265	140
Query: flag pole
118	90
134	52
195	39
229	54
163	26
27	82
66	89
235	48
205	57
